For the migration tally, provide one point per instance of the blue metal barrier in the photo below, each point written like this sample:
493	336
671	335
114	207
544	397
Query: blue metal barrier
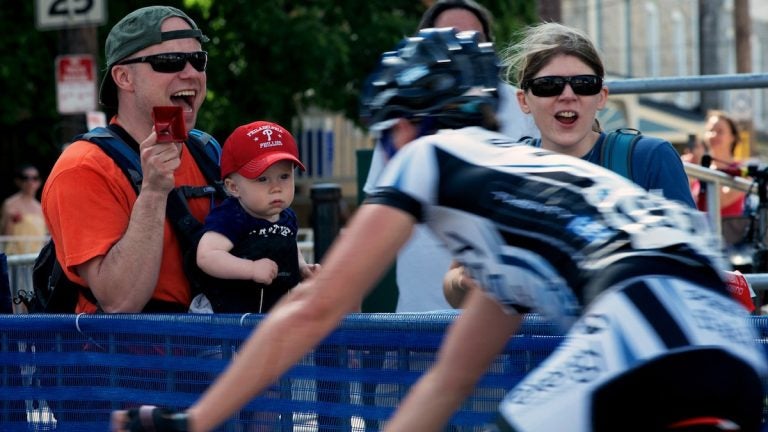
68	373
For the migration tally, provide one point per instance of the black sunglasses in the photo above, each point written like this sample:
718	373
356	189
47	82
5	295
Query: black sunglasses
173	62
547	86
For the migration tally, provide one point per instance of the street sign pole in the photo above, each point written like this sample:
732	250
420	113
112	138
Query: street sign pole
75	84
77	22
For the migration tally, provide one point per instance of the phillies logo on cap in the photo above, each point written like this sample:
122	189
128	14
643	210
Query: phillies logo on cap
265	140
252	148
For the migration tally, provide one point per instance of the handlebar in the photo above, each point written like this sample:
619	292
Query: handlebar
756	171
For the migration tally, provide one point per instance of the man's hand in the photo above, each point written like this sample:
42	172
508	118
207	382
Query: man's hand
158	163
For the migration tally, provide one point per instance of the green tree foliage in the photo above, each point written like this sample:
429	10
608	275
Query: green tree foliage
280	57
26	73
283	56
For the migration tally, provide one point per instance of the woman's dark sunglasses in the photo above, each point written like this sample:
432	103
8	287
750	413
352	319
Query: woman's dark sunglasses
547	86
173	62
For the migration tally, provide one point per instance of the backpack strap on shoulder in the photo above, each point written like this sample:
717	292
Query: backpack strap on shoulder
616	154
207	142
124	156
207	154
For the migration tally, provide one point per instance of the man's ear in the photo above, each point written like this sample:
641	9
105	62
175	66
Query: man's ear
122	77
404	132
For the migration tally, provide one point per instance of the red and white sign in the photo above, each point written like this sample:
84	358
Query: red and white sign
75	84
95	119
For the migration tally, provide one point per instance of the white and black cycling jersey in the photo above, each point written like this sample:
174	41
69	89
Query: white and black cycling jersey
529	224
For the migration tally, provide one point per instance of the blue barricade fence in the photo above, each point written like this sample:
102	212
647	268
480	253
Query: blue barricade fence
67	373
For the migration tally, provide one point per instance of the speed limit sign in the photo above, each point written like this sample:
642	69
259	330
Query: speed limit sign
58	14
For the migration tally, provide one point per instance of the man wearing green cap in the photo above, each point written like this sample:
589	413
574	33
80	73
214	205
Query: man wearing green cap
117	243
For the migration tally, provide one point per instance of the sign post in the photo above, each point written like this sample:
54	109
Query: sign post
75	84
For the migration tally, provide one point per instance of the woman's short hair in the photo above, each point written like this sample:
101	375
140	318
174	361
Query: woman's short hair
542	42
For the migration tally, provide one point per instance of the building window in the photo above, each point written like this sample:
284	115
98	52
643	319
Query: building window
652	45
758	95
679	30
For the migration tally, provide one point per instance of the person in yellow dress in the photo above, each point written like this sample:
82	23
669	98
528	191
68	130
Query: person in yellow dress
22	215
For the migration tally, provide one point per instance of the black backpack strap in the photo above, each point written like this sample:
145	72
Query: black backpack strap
198	144
53	291
188	228
197	191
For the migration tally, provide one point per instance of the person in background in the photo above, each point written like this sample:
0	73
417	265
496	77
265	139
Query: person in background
722	138
22	214
469	15
23	226
560	74
627	272
693	153
249	247
119	244
422	263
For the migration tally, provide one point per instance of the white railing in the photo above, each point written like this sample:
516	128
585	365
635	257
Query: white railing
20	278
21	243
20	267
306	243
715	180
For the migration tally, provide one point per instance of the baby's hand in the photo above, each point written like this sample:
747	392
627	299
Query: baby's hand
309	270
264	271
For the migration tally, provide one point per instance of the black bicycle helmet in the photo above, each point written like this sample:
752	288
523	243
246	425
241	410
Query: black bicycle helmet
438	73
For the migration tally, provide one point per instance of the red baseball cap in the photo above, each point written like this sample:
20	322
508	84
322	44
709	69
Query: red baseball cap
254	147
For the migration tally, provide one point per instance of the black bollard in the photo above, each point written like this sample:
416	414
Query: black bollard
326	216
326	223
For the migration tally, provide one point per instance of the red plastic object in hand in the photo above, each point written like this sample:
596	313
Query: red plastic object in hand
169	124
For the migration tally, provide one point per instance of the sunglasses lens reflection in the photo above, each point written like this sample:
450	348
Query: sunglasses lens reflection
584	85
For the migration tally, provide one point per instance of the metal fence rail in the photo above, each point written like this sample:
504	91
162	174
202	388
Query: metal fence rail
687	83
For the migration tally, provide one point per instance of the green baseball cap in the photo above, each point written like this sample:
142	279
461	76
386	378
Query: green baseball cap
136	31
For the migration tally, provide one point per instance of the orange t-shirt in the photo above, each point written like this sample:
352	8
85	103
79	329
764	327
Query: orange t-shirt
87	203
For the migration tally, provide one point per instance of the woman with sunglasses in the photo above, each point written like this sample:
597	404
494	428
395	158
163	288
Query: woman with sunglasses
560	78
22	214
